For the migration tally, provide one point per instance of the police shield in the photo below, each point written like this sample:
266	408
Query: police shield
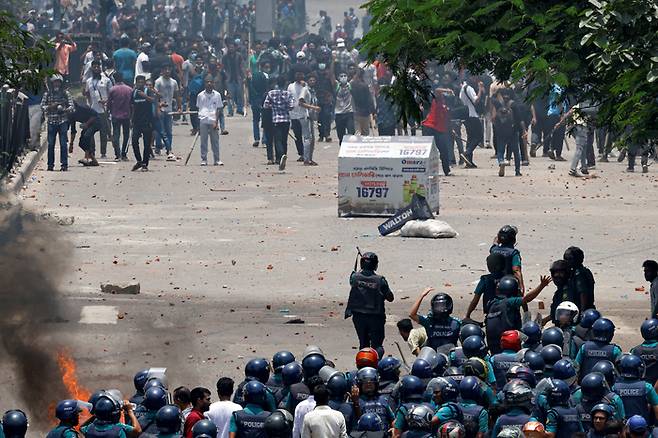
417	209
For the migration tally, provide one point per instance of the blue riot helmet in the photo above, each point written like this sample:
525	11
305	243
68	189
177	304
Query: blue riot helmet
606	368
411	389
535	362
532	331
589	317
594	386
292	373
312	365
154	398
631	366
508	286
649	329
279	424
389	368
14	423
603	330
421	369
338	386
254	392
280	359
474	346
167	419
551	354
140	380
370	422
258	369
106	408
552	335
470	388
204	429
154	383
446	387
564	369
68	411
470	330
522	372
558	393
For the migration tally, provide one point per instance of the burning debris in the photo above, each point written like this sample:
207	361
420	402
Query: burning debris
32	258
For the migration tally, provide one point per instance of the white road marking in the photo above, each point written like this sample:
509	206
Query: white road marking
98	315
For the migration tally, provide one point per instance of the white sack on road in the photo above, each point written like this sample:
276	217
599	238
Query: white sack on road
431	228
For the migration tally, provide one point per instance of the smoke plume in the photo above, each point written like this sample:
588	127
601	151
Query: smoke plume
33	257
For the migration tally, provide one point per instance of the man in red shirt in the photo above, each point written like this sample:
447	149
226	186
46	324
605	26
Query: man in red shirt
436	124
200	404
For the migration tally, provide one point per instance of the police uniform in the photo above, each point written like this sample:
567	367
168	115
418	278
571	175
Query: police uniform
585	407
442	334
298	393
501	363
147	423
511	254
515	418
62	431
366	306
648	352
637	396
486	288
500	319
377	405
563	421
594	351
238	397
347	410
105	429
449	411
249	422
476	418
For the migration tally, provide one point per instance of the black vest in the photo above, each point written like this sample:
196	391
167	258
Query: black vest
497	321
568	421
512	422
471	419
114	432
585	408
346	409
501	363
442	332
366	295
250	425
594	351
59	431
377	405
298	393
650	357
633	395
506	252
490	284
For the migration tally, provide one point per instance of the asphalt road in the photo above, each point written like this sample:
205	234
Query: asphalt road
227	255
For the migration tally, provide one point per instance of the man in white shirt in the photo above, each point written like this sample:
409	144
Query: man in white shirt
474	131
142	64
209	104
304	407
299	122
323	422
167	88
221	411
97	89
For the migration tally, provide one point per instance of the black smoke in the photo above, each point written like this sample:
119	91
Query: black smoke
33	257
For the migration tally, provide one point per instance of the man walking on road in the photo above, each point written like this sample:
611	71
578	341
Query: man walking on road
474	134
210	104
56	104
97	89
280	101
118	105
142	118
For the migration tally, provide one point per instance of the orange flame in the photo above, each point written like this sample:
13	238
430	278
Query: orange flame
76	391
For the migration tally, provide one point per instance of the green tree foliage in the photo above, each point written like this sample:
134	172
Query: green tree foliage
23	57
601	51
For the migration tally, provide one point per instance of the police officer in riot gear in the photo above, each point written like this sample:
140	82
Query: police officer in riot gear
599	348
445	393
389	376
456	355
504	244
581	280
638	396
311	365
419	422
563	420
154	399
139	381
106	424
339	389
532	333
510	342
411	395
517	402
648	350
442	329
68	414
504	306
370	401
594	390
476	417
279	360
250	421
168	421
365	305
291	374
14	424
256	370
583	330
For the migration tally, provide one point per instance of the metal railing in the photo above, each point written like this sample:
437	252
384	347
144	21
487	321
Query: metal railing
14	128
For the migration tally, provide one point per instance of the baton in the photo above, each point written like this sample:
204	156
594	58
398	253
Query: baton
189	154
358	255
404	359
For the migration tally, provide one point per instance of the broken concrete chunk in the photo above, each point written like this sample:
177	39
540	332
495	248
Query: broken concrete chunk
120	289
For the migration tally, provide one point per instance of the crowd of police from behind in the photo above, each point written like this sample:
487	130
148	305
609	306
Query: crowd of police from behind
561	376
